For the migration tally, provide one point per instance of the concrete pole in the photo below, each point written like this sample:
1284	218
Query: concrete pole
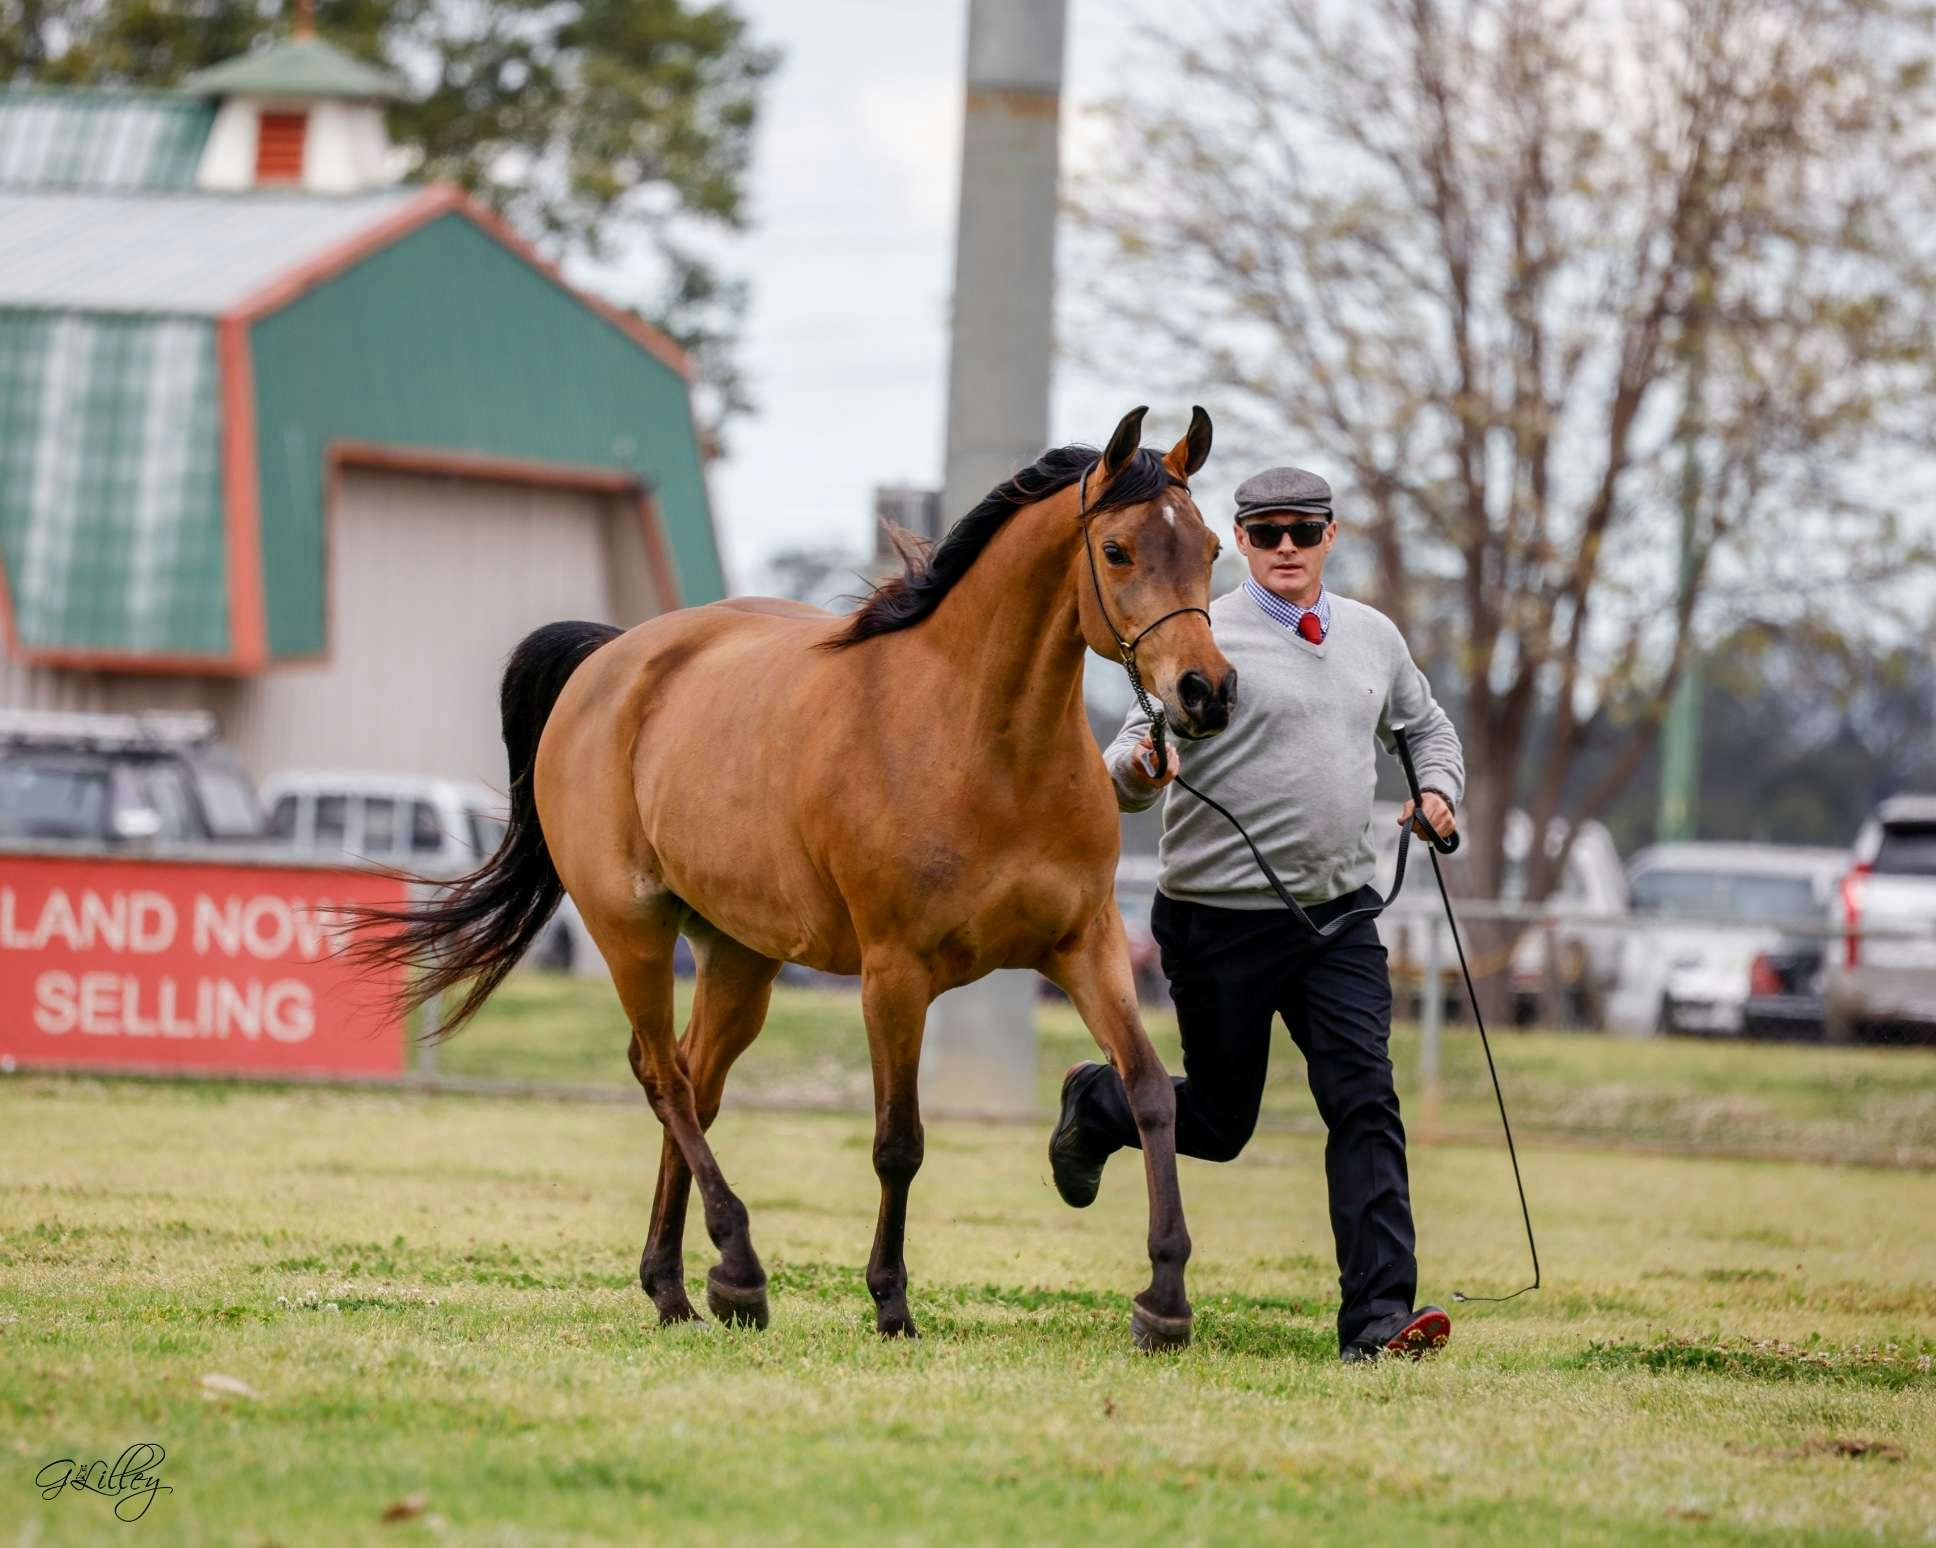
979	1053
1680	750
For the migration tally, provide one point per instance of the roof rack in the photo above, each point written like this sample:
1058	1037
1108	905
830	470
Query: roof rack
62	728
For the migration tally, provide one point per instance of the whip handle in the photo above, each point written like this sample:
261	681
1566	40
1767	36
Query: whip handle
1444	846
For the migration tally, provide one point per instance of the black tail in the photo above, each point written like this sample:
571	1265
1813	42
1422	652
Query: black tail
476	929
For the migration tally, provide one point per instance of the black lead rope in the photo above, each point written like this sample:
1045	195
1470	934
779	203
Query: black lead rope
1153	712
1343	921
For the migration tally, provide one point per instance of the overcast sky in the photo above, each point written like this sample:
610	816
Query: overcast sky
851	259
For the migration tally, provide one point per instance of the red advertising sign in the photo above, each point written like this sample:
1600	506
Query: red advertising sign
195	965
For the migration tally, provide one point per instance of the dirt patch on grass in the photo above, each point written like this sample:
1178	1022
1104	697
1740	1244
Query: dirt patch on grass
1858	1448
1887	1365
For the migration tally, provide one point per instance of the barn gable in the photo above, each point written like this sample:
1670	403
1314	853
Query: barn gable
115	528
181	372
448	341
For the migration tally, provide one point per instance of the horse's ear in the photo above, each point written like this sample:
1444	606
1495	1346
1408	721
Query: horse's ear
1193	450
1122	445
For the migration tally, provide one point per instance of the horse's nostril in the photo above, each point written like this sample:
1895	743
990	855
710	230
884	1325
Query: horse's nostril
1195	690
1227	689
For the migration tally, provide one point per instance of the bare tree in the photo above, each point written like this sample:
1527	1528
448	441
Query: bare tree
1542	281
827	576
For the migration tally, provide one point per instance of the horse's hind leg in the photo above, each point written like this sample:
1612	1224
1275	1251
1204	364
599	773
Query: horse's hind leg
640	957
729	1003
895	991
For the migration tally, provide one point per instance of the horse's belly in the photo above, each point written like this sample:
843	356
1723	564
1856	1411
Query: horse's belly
1011	923
817	938
765	896
774	900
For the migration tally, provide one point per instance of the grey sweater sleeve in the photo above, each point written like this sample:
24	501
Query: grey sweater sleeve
1435	744
1130	795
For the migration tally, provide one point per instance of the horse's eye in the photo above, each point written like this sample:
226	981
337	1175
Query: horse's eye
1114	554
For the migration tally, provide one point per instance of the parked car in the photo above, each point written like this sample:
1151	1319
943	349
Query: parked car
435	828
121	779
1784	1001
1702	913
1585	955
1880	984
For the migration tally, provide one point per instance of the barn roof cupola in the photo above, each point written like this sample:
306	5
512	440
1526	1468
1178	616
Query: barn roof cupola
300	113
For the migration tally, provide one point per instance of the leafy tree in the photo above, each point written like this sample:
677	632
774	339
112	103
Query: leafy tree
602	130
1540	280
1803	732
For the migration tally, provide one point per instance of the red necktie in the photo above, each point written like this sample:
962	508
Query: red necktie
1311	629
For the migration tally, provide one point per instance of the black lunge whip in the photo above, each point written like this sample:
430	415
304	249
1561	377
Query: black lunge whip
1444	846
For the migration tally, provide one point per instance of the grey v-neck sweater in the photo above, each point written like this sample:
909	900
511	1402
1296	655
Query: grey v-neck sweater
1297	764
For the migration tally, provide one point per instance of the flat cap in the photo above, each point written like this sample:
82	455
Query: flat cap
1283	489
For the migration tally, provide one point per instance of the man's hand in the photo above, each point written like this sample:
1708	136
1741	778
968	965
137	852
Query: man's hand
1437	812
1143	759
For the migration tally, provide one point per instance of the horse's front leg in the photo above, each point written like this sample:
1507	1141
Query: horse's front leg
1095	974
895	989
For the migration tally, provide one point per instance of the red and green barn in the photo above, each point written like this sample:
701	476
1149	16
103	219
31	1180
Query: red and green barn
284	440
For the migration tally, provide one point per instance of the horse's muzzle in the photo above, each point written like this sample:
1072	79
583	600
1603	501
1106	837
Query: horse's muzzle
1205	705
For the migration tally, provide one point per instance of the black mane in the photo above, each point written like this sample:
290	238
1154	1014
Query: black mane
930	574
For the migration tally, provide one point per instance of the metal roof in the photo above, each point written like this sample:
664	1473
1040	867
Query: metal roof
297	67
198	254
111	512
127	140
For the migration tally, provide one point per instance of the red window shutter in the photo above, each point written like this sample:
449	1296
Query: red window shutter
279	147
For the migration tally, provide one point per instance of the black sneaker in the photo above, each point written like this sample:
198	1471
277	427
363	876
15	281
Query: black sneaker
1423	1333
1073	1162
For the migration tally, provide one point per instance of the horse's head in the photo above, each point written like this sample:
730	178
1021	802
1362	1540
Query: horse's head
1146	582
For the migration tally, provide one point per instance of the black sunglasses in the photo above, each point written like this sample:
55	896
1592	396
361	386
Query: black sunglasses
1306	532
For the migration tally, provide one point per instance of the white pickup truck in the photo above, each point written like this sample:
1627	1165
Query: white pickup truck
1884	985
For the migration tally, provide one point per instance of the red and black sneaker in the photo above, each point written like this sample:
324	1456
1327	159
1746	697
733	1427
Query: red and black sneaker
1425	1333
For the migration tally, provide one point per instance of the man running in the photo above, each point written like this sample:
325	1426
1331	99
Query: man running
1322	680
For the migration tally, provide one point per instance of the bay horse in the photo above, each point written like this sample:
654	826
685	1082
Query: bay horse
911	793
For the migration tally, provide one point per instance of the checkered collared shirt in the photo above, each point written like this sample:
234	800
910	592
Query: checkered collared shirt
1289	614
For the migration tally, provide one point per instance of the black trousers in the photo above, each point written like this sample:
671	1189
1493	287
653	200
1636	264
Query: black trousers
1229	970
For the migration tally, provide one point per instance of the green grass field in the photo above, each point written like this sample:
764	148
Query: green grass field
1833	1104
429	1303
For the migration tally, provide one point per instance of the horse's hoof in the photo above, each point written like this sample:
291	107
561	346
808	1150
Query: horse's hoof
673	1311
1154	1333
901	1325
739	1305
667	1290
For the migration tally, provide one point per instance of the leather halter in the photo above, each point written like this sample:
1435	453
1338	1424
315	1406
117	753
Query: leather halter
1125	648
